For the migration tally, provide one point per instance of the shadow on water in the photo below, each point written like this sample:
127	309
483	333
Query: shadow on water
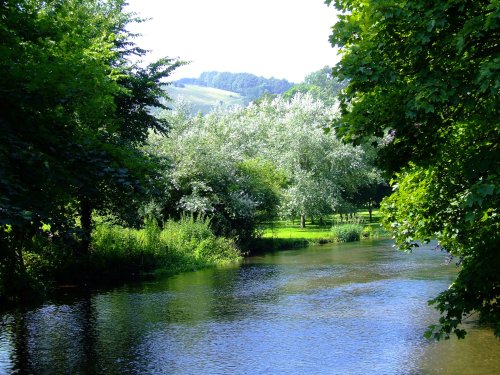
354	308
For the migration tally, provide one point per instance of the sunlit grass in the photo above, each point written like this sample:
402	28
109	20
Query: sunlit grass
188	244
314	232
204	99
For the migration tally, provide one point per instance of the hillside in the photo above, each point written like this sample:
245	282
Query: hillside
248	85
204	99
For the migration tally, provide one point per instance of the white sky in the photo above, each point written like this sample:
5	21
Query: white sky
271	38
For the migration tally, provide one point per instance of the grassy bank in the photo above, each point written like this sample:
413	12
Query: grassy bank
119	254
179	246
279	235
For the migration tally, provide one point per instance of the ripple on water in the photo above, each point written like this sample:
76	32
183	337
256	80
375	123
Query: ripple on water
323	310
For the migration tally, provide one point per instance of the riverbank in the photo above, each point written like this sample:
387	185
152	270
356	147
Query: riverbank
282	235
120	254
117	255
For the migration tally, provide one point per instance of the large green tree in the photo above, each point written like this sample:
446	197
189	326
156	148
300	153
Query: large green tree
73	110
207	172
425	76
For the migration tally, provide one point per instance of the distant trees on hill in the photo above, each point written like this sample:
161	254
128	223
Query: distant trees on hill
248	85
320	84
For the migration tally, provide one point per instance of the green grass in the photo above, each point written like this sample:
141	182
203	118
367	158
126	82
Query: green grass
118	254
280	234
286	230
204	99
184	245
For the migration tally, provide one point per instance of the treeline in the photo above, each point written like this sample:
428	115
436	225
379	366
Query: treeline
248	85
321	84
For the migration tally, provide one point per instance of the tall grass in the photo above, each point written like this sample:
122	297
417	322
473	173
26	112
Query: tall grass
346	232
117	253
183	245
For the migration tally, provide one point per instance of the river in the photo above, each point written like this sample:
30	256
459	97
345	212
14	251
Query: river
356	308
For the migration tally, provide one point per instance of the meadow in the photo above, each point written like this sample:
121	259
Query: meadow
282	234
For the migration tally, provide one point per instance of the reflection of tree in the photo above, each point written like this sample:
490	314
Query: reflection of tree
21	358
90	359
55	339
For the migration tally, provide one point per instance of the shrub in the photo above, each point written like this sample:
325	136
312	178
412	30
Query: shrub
181	245
346	232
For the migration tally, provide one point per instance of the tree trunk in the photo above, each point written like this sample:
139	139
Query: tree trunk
370	211
303	221
86	222
321	221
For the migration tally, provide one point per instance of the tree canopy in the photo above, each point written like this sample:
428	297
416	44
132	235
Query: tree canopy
73	109
424	76
320	84
247	165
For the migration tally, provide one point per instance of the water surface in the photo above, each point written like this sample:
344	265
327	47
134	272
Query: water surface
334	309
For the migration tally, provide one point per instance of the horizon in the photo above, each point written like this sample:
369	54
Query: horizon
221	71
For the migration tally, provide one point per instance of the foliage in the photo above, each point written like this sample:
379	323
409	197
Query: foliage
346	232
194	236
182	245
73	111
323	174
209	175
246	165
424	75
321	85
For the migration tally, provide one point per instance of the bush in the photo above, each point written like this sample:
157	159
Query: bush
346	232
374	231
182	245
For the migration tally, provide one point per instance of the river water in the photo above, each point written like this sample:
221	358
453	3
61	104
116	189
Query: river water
357	308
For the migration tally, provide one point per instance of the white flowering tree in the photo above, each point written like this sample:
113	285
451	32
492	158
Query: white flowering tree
244	165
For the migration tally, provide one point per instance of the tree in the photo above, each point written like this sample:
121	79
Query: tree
370	196
321	171
246	165
320	84
209	175
424	76
73	111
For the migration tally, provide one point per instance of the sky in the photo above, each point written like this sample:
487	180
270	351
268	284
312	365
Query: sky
270	38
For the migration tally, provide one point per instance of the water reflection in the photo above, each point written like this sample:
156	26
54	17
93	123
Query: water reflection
357	308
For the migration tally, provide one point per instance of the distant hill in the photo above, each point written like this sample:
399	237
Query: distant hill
229	89
204	99
247	85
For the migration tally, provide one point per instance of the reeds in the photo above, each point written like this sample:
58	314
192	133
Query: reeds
346	232
182	245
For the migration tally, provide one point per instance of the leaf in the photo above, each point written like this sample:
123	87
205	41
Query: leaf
431	24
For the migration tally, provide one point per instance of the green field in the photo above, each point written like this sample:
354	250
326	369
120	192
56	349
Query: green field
291	233
204	99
